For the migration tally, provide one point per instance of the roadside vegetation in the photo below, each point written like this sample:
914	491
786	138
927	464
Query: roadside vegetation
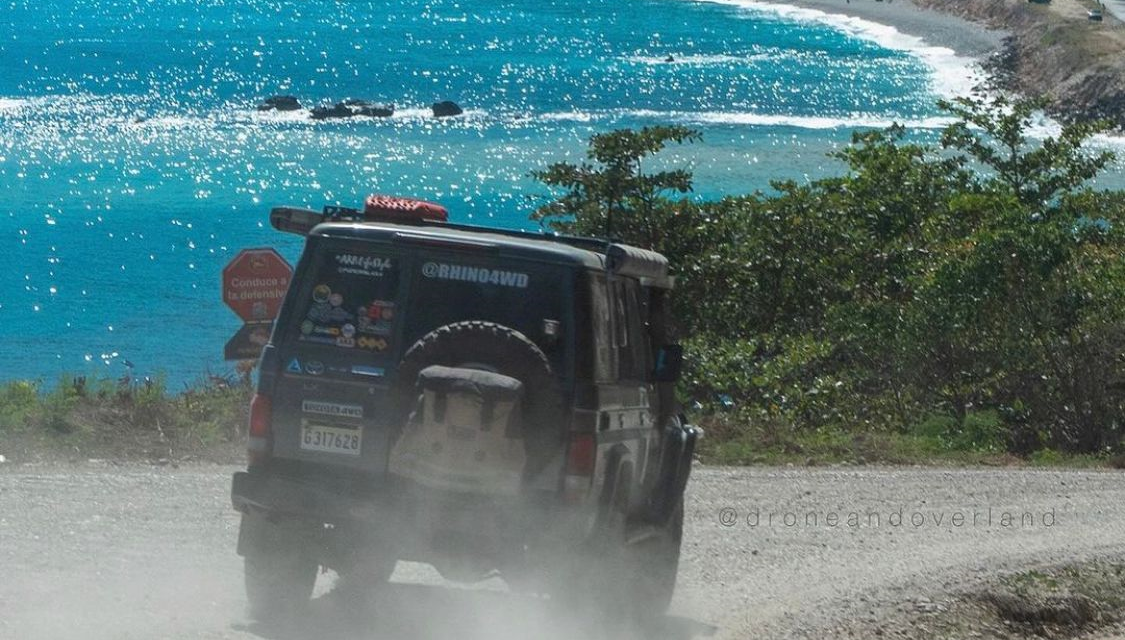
1071	601
80	418
961	301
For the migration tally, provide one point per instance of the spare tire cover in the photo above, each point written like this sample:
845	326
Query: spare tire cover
492	346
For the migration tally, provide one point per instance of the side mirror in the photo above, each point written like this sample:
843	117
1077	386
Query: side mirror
295	220
669	361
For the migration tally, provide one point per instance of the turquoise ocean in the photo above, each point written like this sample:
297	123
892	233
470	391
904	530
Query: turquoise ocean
133	164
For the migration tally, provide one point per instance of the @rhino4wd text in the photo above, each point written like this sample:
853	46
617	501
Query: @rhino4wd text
479	275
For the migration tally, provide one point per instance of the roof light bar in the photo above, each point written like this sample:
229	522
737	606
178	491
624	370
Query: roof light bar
295	219
301	221
378	207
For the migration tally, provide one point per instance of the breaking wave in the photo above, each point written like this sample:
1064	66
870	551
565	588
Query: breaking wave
952	74
698	60
748	119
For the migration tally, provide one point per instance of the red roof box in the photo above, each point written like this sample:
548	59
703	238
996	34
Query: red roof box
403	209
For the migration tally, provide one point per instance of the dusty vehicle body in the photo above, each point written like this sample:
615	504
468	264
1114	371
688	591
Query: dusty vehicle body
473	398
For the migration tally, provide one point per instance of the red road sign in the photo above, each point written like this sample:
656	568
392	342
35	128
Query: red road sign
255	282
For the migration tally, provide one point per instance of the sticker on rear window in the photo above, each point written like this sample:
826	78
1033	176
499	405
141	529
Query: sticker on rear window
479	275
352	305
327	307
372	266
376	318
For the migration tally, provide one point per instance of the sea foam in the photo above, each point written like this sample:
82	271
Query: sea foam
952	74
12	104
698	60
747	118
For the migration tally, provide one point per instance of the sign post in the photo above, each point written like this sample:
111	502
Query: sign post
254	284
247	343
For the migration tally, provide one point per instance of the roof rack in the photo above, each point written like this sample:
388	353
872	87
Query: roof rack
648	266
598	245
300	221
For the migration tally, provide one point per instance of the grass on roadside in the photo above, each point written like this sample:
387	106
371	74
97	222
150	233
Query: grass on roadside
80	417
938	440
1080	600
1067	602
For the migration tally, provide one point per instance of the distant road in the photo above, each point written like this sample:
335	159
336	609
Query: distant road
1077	9
1116	7
139	552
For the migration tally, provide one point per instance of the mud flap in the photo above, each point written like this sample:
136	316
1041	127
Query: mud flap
679	449
257	531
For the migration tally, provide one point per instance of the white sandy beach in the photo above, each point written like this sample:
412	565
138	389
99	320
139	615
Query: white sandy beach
936	29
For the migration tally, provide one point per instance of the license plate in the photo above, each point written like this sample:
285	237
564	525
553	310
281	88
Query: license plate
319	437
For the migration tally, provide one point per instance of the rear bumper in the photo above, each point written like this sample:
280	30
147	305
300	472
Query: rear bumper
281	496
414	519
307	498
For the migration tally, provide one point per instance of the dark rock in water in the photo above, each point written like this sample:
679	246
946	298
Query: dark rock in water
336	111
351	108
280	103
370	109
446	108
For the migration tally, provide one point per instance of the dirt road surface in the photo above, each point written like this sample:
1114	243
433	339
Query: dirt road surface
1110	29
139	552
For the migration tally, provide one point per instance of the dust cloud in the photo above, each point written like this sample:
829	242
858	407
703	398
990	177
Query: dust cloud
420	611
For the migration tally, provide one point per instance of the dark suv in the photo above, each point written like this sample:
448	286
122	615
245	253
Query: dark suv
478	399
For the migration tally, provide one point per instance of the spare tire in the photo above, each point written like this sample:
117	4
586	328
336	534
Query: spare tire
490	346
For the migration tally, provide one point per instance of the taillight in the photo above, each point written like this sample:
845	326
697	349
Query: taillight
581	457
261	413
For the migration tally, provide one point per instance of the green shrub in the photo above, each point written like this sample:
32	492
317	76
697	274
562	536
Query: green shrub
80	412
57	406
19	400
981	431
982	280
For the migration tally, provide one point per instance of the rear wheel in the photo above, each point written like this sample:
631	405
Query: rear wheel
279	570
363	577
598	579
619	580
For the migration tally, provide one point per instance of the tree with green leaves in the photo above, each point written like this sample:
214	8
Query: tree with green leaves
995	132
611	195
981	275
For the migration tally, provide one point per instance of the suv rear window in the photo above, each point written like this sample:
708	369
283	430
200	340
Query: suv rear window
353	302
519	295
364	302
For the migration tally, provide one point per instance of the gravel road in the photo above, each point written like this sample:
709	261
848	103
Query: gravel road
138	552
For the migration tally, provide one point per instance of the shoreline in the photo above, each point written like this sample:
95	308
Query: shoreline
1051	50
938	29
